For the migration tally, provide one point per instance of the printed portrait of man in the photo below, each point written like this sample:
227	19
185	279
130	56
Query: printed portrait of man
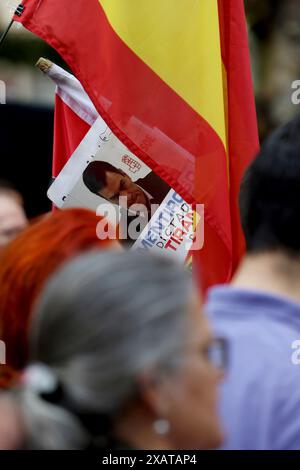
109	182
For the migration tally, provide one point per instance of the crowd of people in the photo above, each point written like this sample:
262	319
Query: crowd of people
114	349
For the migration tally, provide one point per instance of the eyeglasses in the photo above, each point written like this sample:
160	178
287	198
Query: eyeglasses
216	353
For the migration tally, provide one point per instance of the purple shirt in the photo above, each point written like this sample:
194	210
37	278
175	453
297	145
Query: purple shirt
260	396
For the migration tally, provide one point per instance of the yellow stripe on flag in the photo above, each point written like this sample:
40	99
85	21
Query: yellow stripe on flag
180	41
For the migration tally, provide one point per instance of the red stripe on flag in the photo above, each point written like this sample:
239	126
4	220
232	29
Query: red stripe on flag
69	130
243	141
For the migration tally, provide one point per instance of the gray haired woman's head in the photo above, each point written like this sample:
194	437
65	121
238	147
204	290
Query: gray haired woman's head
106	325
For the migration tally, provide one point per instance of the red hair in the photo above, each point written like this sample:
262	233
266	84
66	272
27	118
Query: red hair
26	264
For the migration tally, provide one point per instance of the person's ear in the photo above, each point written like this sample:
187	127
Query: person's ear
154	393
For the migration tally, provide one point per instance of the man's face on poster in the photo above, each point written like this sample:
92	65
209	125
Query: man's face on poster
120	184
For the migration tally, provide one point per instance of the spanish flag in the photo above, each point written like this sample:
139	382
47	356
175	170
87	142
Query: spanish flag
172	80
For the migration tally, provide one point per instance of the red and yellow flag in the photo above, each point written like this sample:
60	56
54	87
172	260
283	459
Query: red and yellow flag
172	80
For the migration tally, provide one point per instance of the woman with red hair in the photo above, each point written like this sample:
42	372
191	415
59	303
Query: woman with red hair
26	264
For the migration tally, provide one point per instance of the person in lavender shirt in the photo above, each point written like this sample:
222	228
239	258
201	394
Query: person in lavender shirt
259	313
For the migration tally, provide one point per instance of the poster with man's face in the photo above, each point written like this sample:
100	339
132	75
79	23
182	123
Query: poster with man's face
104	176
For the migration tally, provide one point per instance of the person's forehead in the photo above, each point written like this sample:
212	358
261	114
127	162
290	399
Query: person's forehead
10	211
112	184
8	203
113	175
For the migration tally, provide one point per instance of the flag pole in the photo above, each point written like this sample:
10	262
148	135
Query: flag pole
18	12
6	32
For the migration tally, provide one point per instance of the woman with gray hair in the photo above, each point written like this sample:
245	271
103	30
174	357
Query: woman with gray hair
120	358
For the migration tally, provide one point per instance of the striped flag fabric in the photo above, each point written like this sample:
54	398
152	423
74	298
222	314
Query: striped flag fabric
74	113
181	69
